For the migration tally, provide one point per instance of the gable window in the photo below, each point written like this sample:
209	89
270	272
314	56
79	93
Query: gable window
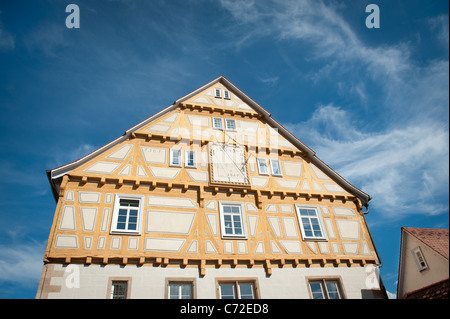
190	159
175	157
217	123
230	124
276	167
232	221
217	93
311	223
119	289
237	289
419	258
226	94
325	289
262	166
127	214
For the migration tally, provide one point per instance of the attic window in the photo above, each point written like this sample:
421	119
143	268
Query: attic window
230	124
217	123
419	258
175	157
217	93
226	94
191	159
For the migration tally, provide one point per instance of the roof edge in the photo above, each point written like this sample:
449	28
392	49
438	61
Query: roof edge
62	170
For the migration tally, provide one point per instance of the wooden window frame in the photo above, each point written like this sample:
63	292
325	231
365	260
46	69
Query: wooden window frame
236	281
181	280
109	290
323	281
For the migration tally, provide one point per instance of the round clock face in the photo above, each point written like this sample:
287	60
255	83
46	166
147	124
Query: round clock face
228	164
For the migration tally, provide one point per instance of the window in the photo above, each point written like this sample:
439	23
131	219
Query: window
175	157
419	258
127	214
217	123
237	289
276	167
325	289
262	166
190	158
232	220
119	289
226	94
180	290
311	223
217	93
230	124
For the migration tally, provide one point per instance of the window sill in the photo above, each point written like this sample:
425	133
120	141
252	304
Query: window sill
117	232
315	239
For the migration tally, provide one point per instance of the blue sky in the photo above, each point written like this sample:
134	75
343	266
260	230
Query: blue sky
372	103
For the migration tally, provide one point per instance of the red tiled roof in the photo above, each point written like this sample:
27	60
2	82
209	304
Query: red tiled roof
435	238
438	290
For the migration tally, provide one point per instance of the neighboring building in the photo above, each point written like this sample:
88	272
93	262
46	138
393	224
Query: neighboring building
208	198
423	267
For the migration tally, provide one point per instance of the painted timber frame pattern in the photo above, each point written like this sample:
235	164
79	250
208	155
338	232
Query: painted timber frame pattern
180	218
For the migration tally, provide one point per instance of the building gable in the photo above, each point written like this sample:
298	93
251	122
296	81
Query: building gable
213	182
189	124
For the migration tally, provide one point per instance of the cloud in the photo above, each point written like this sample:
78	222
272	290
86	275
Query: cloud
396	146
21	263
47	38
60	157
7	41
391	295
404	169
440	25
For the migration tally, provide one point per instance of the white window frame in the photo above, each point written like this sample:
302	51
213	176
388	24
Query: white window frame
214	123
186	158
261	171
172	150
272	161
217	92
242	219
230	121
417	253
115	215
320	223
226	94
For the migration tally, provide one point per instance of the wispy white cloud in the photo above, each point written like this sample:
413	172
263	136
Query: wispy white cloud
47	38
7	40
404	169
60	157
440	25
21	263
